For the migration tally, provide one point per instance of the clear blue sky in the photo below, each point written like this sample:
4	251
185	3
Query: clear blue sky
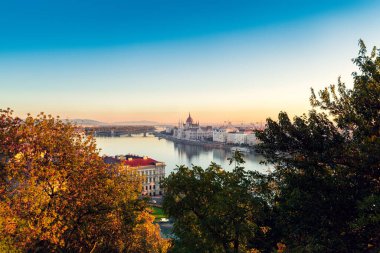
158	59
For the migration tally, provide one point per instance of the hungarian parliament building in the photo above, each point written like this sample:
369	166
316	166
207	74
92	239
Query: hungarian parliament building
192	131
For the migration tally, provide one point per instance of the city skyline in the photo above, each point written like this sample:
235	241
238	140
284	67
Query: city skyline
123	61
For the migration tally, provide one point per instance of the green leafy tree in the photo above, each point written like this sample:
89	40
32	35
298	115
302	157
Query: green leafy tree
213	210
327	166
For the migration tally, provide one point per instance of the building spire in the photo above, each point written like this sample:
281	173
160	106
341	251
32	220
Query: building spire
189	120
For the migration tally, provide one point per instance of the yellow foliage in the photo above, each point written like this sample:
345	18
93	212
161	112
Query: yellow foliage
146	236
19	156
60	192
281	247
265	229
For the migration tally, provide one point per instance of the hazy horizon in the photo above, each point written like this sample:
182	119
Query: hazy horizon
124	61
162	122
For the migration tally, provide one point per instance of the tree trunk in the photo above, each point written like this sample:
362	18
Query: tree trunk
236	239
225	246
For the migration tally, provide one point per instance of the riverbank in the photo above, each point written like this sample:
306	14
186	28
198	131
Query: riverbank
173	153
206	144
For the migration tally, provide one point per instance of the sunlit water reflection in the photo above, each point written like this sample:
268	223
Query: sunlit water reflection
174	153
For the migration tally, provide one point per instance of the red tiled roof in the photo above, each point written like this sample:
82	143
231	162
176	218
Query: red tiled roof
140	162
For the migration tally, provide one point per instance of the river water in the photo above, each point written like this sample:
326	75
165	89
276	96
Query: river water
174	154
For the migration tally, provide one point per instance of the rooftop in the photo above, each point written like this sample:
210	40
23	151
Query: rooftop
189	119
130	160
142	161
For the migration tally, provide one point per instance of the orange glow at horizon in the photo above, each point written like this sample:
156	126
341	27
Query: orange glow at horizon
204	117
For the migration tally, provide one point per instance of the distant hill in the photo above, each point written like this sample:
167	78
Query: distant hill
135	123
90	122
87	122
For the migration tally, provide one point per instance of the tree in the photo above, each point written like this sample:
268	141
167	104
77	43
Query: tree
57	194
327	166
145	236
213	210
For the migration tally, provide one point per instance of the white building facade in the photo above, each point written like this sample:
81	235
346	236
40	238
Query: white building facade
152	172
236	138
220	134
231	135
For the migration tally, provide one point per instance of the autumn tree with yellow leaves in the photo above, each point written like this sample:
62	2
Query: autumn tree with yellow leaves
57	194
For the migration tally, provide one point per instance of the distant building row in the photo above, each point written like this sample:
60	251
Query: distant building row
234	136
227	134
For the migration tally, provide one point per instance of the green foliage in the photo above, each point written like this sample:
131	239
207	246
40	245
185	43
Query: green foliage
214	210
327	166
7	245
158	213
323	195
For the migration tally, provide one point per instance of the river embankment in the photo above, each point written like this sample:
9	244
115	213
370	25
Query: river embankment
206	144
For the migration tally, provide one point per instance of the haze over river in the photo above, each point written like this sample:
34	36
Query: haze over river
174	153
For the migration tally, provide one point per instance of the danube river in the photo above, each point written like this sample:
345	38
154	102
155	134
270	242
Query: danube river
173	154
